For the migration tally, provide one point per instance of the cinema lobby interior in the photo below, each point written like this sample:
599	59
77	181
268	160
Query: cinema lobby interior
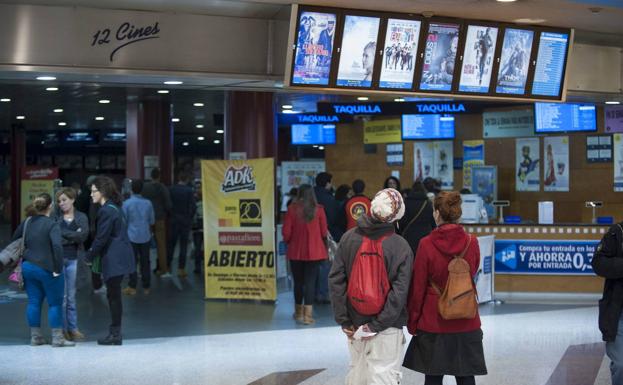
160	161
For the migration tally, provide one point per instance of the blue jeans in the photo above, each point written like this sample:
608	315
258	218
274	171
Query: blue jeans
40	284
614	350
322	283
70	315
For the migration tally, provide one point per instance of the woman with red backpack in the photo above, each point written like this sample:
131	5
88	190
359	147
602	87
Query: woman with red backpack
444	321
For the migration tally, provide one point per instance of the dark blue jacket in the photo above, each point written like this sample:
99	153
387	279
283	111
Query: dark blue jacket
332	210
43	243
112	243
184	206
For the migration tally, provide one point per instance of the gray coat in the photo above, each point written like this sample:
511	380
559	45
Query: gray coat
42	243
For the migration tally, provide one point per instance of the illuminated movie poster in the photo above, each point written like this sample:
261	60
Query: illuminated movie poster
514	64
478	59
527	176
423	159
442	43
556	166
314	48
399	53
358	51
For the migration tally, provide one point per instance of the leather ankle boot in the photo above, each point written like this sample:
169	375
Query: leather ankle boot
36	337
58	339
113	338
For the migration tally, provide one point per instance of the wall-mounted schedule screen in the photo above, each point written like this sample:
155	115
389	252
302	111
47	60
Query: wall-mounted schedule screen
427	127
564	117
550	63
515	61
313	134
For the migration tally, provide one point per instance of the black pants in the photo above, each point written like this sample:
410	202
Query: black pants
96	281
178	232
438	380
305	274
141	253
198	242
113	293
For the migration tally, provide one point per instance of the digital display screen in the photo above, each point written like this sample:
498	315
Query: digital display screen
314	48
564	117
478	54
115	137
313	134
358	51
550	62
80	137
515	61
442	42
427	127
399	53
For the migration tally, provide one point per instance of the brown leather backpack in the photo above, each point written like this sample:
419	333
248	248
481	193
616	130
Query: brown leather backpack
458	299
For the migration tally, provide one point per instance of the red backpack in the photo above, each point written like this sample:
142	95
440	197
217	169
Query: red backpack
368	284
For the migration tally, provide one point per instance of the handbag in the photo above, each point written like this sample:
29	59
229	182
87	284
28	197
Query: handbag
331	247
404	232
16	276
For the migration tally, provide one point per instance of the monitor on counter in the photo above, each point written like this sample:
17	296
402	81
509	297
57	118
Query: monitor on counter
358	51
564	117
310	134
400	53
478	59
440	52
514	62
427	127
550	64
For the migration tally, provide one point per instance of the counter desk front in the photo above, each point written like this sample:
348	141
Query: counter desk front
544	258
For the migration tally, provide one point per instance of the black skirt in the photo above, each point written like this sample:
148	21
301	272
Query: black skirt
454	354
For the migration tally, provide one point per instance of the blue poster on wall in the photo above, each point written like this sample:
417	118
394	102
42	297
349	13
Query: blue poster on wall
544	257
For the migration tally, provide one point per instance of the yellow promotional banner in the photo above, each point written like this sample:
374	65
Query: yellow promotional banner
382	131
239	229
35	181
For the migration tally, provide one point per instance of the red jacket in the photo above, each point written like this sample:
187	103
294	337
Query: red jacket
431	262
305	239
355	208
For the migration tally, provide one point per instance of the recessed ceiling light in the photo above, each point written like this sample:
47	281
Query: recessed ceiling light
5	100
216	141
201	138
99	118
321	148
175	120
287	107
506	1
198	104
163	91
399	100
185	144
288	112
315	146
173	82
46	78
43	142
52	89
104	101
20	117
58	110
220	131
199	126
613	102
527	20
363	98
62	124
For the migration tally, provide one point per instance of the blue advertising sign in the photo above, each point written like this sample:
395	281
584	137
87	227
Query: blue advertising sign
544	257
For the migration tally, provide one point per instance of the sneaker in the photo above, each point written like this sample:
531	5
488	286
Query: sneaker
129	291
101	290
166	275
181	273
146	291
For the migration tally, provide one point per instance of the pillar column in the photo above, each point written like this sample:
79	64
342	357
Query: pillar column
18	162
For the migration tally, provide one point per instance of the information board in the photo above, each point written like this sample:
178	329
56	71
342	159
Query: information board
564	117
313	134
427	127
550	64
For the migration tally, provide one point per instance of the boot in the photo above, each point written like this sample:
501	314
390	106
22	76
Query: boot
58	340
298	313
308	313
36	338
113	337
76	335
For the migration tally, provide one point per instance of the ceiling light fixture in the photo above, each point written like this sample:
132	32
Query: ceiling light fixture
286	107
201	138
173	82
321	148
288	112
163	91
99	118
5	100
613	102
198	104
216	141
506	1
62	124
20	117
363	98
58	110
528	20
46	78
220	131
399	100
199	126
52	89
104	101
175	120
185	144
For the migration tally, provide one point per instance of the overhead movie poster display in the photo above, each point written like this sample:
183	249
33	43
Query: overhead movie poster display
358	51
514	65
314	48
477	65
527	164
556	166
442	43
399	53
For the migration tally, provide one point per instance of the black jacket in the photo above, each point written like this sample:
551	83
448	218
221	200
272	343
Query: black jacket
332	209
184	205
43	243
112	243
76	233
423	225
608	263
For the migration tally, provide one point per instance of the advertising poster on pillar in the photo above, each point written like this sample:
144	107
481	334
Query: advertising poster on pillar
358	51
399	53
238	218
527	175
34	181
556	165
473	155
477	65
442	43
423	159
314	48
514	64
443	151
618	162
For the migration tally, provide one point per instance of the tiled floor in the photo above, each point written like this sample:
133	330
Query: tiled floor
174	337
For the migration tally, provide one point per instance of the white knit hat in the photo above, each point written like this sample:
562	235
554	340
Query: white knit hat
388	206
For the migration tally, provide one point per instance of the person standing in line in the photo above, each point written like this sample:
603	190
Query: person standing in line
342	194
160	199
42	270
418	220
74	231
357	206
392	182
375	360
112	245
183	199
139	214
304	230
443	347
198	229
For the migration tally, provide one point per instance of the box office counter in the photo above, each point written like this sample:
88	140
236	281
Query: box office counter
544	258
